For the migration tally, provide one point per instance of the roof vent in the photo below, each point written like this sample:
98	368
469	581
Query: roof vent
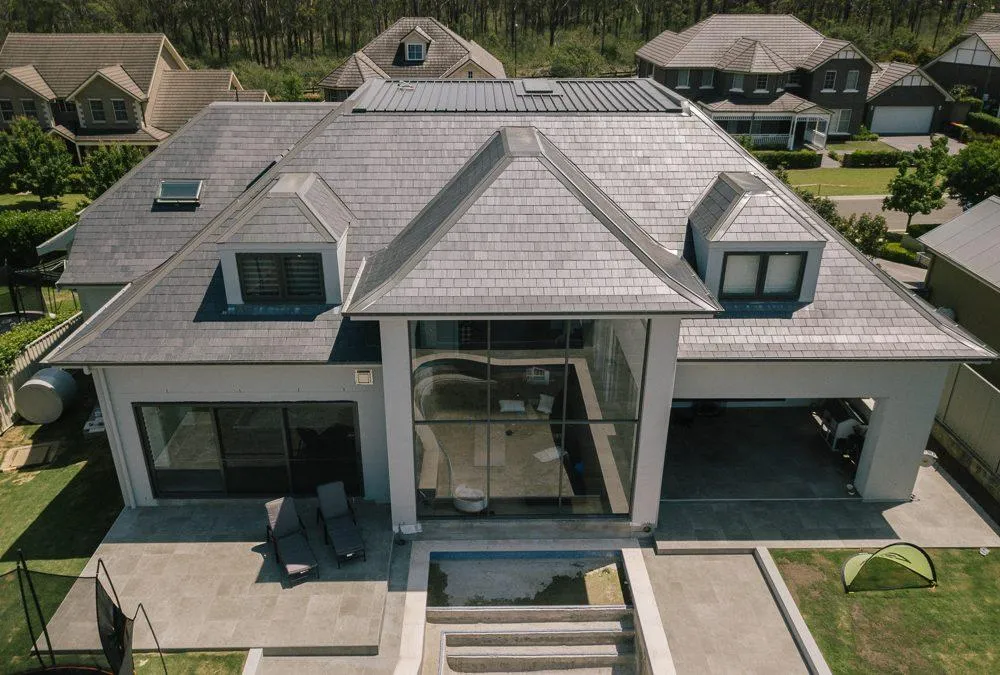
538	86
179	192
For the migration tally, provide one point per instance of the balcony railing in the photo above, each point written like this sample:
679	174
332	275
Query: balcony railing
816	138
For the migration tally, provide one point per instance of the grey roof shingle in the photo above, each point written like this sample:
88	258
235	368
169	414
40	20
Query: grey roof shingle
742	42
971	241
383	57
66	60
386	167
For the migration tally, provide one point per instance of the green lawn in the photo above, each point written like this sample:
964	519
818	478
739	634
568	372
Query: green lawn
29	202
952	628
851	146
828	182
191	663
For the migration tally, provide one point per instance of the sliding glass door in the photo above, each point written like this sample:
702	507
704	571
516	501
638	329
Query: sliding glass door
250	449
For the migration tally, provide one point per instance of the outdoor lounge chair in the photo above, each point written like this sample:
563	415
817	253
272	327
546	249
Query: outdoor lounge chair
288	535
340	527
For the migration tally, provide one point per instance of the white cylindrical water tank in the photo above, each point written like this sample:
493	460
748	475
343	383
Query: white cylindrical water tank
44	397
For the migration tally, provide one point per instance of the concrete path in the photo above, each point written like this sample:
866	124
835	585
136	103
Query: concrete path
857	204
908	275
828	162
720	616
910	143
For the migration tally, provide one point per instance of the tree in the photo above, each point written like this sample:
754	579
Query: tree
867	232
574	59
934	159
974	173
107	164
914	192
33	160
292	87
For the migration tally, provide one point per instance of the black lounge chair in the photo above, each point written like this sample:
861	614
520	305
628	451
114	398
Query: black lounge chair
288	535
340	527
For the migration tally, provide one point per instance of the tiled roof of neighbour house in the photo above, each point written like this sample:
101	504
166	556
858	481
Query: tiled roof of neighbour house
786	103
971	241
383	57
888	74
988	22
388	167
739	206
785	42
144	135
992	41
488	233
117	75
30	78
122	236
824	51
518	96
183	93
353	72
67	60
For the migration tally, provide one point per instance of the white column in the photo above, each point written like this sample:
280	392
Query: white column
398	420
654	418
897	437
791	132
114	437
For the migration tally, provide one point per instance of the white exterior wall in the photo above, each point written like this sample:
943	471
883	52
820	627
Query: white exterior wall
126	385
906	396
398	429
92	298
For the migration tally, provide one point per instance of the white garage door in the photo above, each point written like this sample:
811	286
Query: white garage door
902	119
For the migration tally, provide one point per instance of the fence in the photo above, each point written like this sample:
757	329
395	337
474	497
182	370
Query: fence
970	412
27	365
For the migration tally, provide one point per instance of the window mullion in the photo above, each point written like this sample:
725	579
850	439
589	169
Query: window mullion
762	274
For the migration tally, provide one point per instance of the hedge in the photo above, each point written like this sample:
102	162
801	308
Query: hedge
22	231
868	159
896	253
917	230
790	159
983	123
13	342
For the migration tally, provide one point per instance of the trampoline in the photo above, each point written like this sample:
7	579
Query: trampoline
28	601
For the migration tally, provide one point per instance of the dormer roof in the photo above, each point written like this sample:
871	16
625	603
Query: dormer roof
753	56
28	77
418	34
117	76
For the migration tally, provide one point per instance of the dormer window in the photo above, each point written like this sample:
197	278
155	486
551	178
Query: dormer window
415	51
762	276
281	278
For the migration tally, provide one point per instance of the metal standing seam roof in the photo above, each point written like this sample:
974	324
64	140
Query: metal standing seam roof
971	241
387	167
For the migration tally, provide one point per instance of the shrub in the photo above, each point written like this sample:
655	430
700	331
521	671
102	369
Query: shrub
22	231
983	123
745	140
572	58
864	135
13	342
896	253
917	230
975	104
834	155
790	159
868	159
894	237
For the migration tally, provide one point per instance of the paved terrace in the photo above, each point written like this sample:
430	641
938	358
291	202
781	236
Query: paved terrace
208	581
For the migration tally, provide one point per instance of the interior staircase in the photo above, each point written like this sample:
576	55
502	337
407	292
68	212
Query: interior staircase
538	640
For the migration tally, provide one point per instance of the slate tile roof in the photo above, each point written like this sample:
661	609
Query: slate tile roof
777	42
386	168
786	103
971	241
66	60
383	57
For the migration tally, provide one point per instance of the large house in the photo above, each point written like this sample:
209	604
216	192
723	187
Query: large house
768	76
480	298
904	99
418	47
97	88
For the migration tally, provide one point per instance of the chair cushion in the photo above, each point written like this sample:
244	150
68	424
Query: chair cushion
344	535
296	555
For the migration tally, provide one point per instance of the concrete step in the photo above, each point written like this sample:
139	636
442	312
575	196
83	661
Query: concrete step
538	636
507	615
534	658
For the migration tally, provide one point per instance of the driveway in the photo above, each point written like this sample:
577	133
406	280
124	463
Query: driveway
910	143
858	204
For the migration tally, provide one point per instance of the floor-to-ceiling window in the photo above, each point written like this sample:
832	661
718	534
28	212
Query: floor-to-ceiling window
526	417
250	449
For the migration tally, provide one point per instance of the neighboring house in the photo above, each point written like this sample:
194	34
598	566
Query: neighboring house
988	22
903	99
454	294
99	88
964	282
972	62
416	47
769	76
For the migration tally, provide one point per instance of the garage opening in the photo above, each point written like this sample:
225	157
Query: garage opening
764	449
905	120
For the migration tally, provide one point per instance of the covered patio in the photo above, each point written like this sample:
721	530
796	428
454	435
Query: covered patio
208	582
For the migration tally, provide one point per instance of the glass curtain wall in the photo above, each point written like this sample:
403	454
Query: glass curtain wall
526	417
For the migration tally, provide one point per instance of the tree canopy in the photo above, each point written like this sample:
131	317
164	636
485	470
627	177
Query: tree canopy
974	173
34	161
105	165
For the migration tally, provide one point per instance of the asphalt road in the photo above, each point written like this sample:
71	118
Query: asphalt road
858	204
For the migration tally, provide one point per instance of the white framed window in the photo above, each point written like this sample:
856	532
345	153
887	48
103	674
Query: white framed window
761	84
28	107
737	84
683	79
707	79
840	121
852	81
97	110
7	110
414	51
830	80
762	276
119	109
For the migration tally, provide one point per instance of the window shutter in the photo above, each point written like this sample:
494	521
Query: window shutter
304	277
260	276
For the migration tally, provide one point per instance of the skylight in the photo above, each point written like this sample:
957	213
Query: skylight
179	192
